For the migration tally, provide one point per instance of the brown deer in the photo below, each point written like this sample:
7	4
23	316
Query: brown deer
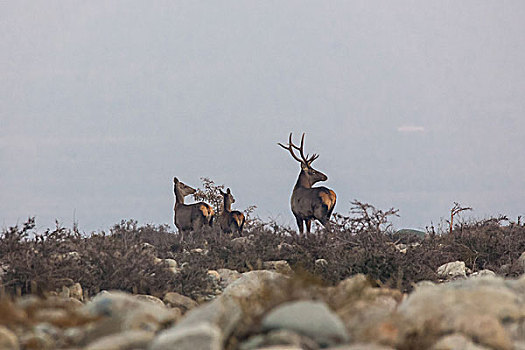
188	217
231	221
309	202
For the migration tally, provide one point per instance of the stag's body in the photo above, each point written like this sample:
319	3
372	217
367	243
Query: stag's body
189	217
307	202
231	221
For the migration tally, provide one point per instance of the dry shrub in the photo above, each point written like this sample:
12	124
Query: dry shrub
362	242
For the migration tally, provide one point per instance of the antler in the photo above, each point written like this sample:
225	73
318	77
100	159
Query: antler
306	160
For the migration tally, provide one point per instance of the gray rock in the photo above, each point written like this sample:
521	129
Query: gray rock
8	339
227	277
456	269
483	273
208	325
361	346
200	336
311	318
128	340
474	307
279	337
456	342
321	263
180	301
122	311
150	299
251	282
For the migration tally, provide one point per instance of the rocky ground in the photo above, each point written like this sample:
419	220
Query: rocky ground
277	309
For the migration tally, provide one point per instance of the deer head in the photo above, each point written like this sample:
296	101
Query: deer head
182	190
228	199
309	175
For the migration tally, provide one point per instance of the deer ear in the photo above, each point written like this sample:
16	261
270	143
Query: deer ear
304	166
228	190
175	180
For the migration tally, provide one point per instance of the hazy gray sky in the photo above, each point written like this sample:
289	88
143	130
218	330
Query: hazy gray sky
410	104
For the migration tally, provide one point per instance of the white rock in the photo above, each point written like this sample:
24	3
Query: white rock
483	273
452	270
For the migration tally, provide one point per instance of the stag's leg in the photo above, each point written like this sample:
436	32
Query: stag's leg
308	225
300	225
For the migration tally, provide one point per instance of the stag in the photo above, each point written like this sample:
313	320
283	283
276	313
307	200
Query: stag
309	202
189	217
231	221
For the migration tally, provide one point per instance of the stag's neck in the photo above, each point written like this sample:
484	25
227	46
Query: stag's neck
179	198
302	181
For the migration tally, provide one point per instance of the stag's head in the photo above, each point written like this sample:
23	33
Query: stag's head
310	173
183	189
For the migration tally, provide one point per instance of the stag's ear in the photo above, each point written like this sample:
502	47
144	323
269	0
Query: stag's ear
304	166
221	192
228	190
175	180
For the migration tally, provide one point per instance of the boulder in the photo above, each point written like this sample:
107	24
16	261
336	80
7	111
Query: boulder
227	277
456	341
173	299
127	340
310	318
120	311
474	307
8	339
451	270
205	327
279	337
251	283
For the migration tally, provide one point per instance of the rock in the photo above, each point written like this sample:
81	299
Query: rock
456	342
424	284
128	340
474	307
401	247
310	318
361	346
454	269
204	327
227	277
8	339
149	299
321	263
214	277
279	337
122	311
483	273
252	282
173	299
57	317
37	340
280	266
75	292
202	336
